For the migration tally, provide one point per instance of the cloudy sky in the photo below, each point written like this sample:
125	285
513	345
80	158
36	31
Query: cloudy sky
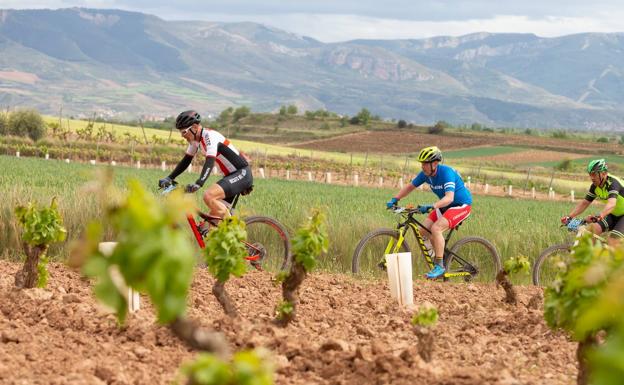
336	20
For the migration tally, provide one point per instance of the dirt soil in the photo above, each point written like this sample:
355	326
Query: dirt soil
529	156
398	141
348	332
395	142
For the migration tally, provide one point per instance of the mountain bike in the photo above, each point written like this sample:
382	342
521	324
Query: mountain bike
467	259
268	243
554	259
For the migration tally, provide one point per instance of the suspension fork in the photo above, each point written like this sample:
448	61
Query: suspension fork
393	247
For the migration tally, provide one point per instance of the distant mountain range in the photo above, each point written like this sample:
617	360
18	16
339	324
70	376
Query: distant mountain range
116	62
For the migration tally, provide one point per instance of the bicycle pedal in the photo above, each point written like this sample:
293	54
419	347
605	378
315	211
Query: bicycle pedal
256	265
434	278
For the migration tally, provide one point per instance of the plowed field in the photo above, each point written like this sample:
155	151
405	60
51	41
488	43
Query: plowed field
409	142
348	332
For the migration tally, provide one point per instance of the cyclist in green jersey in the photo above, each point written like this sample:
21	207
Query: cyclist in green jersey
606	188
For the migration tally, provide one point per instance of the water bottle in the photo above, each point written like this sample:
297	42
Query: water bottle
429	247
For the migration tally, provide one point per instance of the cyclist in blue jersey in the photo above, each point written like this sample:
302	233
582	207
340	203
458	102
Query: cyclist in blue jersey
452	207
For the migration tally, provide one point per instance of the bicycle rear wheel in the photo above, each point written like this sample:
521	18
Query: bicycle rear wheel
370	252
550	263
269	239
475	255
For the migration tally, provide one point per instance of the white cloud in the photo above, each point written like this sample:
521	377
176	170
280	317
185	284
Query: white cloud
333	28
316	20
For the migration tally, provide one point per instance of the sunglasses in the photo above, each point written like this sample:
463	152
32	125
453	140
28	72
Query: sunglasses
184	131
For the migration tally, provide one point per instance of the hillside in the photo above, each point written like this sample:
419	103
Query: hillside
117	62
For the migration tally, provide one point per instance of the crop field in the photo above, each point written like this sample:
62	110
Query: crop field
516	227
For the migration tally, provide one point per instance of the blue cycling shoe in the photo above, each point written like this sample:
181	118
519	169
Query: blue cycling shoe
435	273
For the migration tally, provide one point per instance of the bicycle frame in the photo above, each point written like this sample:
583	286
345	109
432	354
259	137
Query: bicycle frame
415	225
206	217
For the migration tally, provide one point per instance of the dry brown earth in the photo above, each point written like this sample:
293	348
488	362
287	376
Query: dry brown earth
409	142
348	332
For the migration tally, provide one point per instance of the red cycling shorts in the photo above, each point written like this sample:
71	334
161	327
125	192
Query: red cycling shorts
454	215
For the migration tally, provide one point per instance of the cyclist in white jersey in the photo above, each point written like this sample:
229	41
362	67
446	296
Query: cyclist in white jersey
237	177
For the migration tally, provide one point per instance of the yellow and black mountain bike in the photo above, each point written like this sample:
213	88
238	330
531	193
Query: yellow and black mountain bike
470	258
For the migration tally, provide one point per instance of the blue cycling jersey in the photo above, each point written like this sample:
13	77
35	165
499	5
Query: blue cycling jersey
446	179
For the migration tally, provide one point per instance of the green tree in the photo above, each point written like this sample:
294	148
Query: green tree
438	128
402	124
225	117
42	227
4	124
559	134
240	112
292	109
27	122
364	117
283	111
564	165
476	127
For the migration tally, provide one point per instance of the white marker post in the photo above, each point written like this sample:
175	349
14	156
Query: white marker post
399	267
132	297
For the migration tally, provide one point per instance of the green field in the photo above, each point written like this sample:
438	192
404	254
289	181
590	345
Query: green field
516	227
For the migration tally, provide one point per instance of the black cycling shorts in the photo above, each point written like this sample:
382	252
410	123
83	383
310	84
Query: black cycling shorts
236	182
613	224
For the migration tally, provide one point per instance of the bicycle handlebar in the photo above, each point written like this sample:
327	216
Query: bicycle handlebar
169	189
405	210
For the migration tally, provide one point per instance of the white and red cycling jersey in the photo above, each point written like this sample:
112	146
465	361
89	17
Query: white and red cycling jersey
214	145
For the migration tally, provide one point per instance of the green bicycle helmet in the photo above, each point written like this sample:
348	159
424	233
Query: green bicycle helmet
430	154
596	165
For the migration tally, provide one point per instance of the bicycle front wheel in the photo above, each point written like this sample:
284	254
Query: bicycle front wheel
268	238
550	263
474	255
370	252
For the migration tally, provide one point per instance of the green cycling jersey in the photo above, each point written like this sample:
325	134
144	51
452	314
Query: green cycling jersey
613	188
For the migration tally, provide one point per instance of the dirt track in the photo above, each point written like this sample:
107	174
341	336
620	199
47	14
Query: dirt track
348	332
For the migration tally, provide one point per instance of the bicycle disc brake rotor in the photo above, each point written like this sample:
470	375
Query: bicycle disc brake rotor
257	249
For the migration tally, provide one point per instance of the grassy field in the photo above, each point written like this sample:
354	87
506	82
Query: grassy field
516	227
